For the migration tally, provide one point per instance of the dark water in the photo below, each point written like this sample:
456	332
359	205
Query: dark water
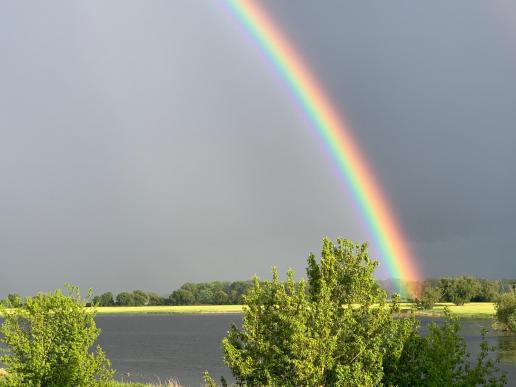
158	347
505	344
153	348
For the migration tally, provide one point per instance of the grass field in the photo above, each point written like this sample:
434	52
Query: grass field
169	309
470	310
473	309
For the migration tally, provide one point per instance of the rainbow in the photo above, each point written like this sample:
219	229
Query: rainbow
336	135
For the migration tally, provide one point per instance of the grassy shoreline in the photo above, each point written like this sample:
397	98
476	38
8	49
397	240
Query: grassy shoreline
470	310
169	309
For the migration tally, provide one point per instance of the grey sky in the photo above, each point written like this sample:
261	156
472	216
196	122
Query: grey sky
146	144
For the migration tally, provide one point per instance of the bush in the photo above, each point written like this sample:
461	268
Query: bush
506	311
48	340
337	329
333	330
440	359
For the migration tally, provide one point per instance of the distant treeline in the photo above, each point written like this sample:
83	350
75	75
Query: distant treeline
204	293
462	289
458	290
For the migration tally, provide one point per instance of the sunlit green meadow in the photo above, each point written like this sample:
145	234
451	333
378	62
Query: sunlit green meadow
472	309
166	309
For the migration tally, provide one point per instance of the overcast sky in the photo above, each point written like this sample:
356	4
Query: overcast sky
147	144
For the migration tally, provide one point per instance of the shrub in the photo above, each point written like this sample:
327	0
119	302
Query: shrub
333	330
440	359
47	343
337	329
506	311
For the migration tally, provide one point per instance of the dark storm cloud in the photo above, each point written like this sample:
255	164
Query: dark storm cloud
145	145
430	91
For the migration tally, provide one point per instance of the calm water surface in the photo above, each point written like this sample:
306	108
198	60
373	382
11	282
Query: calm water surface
150	348
153	348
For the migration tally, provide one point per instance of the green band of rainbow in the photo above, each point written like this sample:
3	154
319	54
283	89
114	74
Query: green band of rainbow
336	135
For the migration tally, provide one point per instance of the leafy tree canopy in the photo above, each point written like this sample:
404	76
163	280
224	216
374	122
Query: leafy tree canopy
337	329
48	342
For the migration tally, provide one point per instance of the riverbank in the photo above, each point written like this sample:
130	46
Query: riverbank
470	310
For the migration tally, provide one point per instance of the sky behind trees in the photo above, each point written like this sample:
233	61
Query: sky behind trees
144	145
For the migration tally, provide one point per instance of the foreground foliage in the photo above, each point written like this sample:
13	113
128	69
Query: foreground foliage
440	359
337	329
47	341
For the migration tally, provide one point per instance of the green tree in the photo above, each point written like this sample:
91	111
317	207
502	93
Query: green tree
237	290
48	341
205	296
181	297
337	329
430	297
220	298
487	290
124	299
458	290
139	298
333	330
105	299
506	311
155	299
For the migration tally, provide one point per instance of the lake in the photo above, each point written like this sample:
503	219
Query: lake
154	348
151	348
